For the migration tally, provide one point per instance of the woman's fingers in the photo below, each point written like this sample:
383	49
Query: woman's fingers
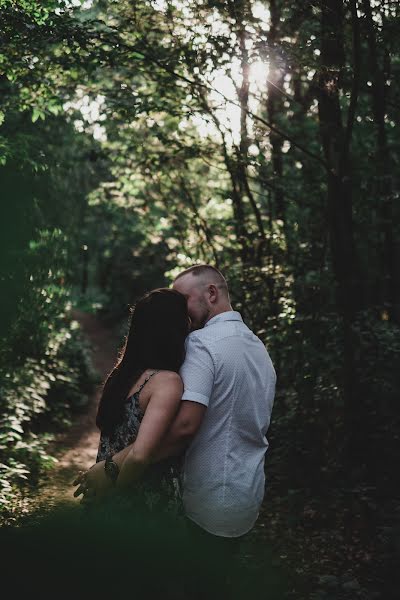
88	496
82	489
80	478
86	491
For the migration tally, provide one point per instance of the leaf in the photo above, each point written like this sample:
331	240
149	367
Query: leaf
35	115
54	109
16	427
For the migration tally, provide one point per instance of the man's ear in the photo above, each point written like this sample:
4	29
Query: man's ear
213	293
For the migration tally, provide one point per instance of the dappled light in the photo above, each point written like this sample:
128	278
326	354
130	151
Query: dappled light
140	138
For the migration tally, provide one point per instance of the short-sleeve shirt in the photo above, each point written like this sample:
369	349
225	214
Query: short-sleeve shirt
228	369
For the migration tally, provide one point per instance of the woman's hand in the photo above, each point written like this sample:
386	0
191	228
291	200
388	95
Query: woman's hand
93	483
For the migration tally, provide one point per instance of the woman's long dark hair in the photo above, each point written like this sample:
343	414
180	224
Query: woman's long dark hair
156	340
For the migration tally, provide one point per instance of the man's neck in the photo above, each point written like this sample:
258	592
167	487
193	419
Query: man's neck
219	311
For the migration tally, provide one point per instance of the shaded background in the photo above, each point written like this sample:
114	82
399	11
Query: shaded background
138	138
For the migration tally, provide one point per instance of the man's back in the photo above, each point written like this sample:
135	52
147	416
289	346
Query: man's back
229	370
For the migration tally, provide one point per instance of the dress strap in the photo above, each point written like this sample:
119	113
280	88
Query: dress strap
144	383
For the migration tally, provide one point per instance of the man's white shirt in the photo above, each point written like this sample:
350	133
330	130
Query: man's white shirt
228	369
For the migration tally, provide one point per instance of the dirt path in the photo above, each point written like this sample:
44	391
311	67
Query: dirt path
318	562
76	449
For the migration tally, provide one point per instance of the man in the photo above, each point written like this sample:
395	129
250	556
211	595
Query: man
229	386
228	372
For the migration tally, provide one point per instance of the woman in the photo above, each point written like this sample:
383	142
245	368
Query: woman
141	397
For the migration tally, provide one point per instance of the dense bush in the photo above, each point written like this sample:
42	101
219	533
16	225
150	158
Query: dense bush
45	369
37	399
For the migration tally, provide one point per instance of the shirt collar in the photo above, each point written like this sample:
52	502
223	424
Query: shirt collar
228	315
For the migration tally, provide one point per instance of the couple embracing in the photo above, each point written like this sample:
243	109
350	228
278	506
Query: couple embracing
184	413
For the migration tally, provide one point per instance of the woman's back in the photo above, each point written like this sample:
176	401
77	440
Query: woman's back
124	433
161	481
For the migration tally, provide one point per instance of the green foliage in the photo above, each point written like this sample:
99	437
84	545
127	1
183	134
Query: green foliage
139	138
37	398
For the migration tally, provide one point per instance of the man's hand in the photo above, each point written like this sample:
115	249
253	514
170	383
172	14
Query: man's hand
93	483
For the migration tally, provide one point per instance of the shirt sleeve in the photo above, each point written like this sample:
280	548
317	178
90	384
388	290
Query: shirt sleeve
197	372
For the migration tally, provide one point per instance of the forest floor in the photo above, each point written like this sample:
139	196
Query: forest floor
76	448
322	545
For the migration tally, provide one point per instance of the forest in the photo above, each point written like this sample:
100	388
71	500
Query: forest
138	138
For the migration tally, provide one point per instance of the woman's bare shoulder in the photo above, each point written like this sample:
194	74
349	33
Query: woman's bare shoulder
170	378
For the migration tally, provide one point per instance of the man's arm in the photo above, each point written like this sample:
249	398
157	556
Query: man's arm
183	429
197	373
134	459
178	437
159	415
198	376
176	440
131	460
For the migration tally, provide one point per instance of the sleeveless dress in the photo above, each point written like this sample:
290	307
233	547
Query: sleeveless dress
159	488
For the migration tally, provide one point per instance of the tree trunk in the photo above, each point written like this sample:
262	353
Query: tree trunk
274	107
390	287
340	219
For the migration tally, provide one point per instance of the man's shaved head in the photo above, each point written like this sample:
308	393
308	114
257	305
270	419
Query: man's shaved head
206	274
206	292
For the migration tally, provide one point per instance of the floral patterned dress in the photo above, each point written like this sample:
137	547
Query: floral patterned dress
159	488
